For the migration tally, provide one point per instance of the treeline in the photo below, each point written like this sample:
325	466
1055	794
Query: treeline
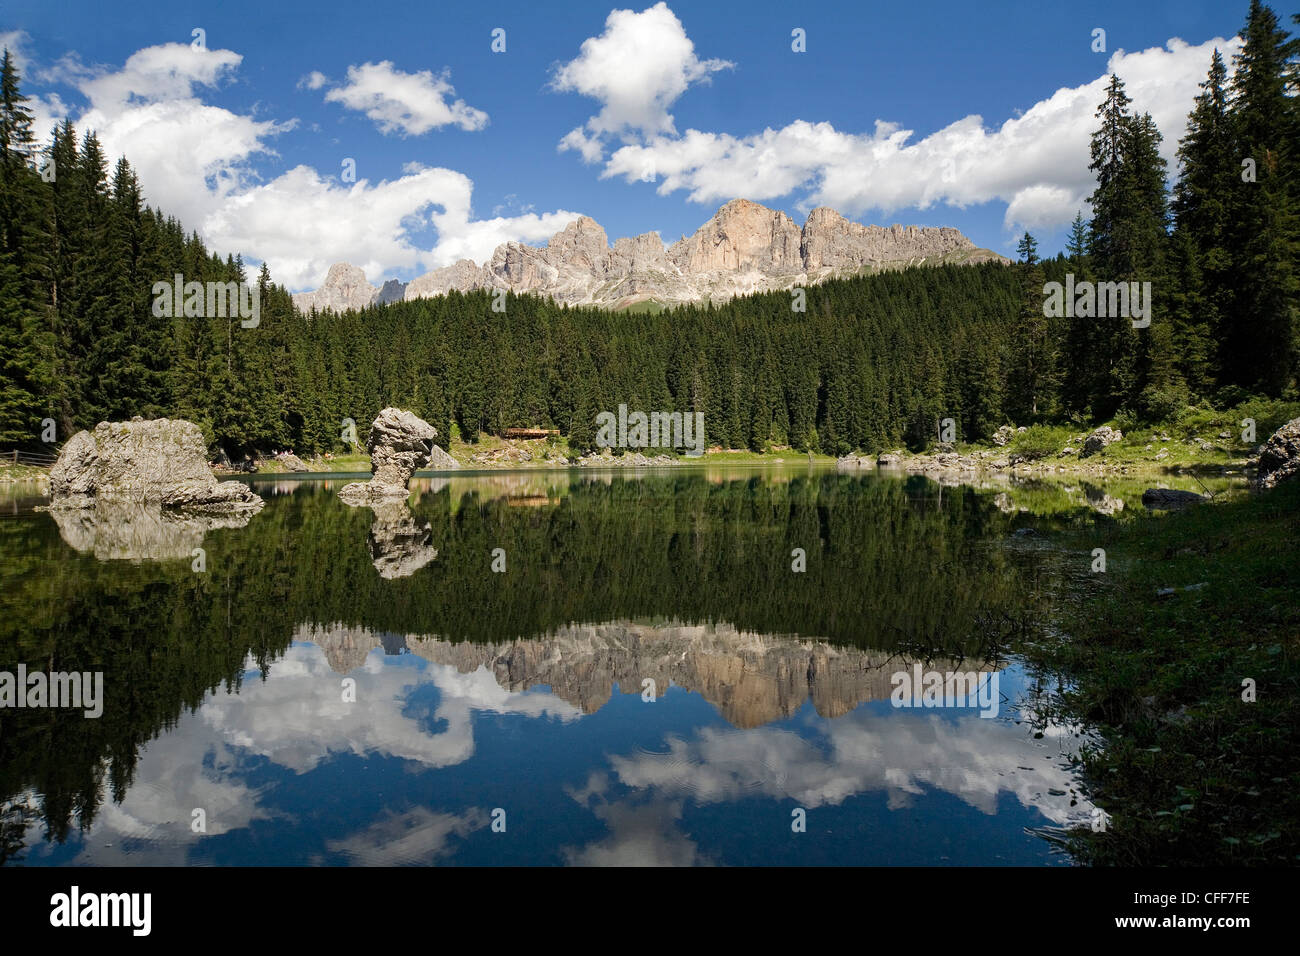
873	362
1222	251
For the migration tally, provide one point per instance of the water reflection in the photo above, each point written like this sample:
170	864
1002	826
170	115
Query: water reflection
525	691
418	759
131	532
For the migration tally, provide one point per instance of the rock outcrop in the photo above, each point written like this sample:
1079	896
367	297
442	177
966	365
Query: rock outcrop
400	442
744	248
161	462
1280	457
439	460
829	241
392	291
1099	439
1170	499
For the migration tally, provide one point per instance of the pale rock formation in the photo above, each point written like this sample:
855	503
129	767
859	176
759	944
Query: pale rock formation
741	237
439	460
1280	457
161	462
464	276
745	247
400	443
1099	439
345	288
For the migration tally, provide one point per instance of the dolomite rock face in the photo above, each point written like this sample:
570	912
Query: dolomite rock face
745	247
400	442
742	237
464	276
832	242
161	462
345	288
392	291
644	253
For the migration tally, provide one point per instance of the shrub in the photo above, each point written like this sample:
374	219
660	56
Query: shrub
1037	441
1163	404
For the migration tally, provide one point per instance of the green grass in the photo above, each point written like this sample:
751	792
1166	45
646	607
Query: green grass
12	472
1190	773
344	463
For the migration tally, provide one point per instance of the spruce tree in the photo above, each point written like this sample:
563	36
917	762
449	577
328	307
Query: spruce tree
1259	341
1201	260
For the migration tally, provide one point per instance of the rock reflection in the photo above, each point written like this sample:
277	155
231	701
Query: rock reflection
399	544
127	532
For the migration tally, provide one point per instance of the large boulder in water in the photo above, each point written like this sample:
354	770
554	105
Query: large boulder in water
1280	457
156	462
400	442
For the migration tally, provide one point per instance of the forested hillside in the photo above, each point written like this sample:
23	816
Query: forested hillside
873	362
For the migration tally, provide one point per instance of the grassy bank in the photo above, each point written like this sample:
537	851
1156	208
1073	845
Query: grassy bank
12	473
1190	772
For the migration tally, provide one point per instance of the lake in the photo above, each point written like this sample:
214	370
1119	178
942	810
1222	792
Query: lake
686	666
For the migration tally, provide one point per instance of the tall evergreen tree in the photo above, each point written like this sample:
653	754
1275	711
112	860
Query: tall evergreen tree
24	345
1259	348
1201	259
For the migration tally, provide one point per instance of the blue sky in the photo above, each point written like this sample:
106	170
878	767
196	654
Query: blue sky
669	111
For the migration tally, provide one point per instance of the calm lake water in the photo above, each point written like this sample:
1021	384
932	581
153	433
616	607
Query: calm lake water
647	681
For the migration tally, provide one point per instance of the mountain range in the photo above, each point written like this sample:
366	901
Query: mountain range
743	248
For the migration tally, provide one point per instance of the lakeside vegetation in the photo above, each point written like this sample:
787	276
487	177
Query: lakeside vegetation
1189	770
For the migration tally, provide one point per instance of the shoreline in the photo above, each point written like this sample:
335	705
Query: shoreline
1194	694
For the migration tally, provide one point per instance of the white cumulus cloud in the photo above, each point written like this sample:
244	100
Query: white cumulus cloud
1036	162
195	162
406	103
636	69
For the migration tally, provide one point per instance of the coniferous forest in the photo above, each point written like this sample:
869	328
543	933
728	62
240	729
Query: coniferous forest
872	363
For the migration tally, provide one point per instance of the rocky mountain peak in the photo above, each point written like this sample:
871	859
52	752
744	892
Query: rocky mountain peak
744	247
345	288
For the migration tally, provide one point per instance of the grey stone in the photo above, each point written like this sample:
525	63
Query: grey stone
156	462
